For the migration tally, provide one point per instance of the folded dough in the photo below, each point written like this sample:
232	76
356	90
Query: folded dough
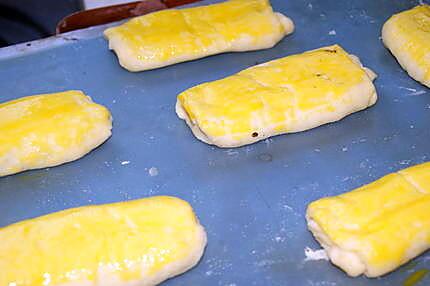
286	95
378	227
50	129
171	36
407	35
134	243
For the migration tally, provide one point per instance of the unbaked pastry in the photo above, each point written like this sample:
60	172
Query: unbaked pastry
50	129
378	227
176	35
134	243
286	95
407	35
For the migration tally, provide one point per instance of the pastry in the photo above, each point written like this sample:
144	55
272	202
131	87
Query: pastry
378	227
176	35
286	95
407	36
134	243
50	129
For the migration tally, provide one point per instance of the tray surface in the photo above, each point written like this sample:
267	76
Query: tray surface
252	200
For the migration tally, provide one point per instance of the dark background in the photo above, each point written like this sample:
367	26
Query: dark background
26	20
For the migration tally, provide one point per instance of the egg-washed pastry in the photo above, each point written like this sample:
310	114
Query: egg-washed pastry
378	227
407	35
141	242
176	35
286	95
50	129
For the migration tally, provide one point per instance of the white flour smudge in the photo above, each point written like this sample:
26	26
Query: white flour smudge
125	163
232	152
408	88
332	33
153	171
405	162
418	92
413	90
314	255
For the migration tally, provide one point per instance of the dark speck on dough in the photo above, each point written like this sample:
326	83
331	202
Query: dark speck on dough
330	51
255	134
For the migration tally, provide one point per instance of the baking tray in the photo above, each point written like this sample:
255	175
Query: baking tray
252	200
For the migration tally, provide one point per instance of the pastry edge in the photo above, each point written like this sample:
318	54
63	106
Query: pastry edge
347	260
182	114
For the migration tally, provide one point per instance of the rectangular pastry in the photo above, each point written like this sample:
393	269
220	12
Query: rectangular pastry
50	129
141	242
176	35
407	35
378	227
290	94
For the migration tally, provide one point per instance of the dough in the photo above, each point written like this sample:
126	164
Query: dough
407	35
50	129
134	243
378	227
290	94
171	36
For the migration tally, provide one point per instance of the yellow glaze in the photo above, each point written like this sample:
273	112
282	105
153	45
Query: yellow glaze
129	239
170	36
385	223
290	94
415	278
411	29
49	129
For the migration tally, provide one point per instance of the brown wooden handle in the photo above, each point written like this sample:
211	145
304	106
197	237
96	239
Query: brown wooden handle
176	3
104	15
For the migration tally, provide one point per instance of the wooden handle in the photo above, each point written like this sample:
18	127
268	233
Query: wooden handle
176	3
104	15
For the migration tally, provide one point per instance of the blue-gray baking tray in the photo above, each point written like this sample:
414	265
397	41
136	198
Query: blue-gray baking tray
252	200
